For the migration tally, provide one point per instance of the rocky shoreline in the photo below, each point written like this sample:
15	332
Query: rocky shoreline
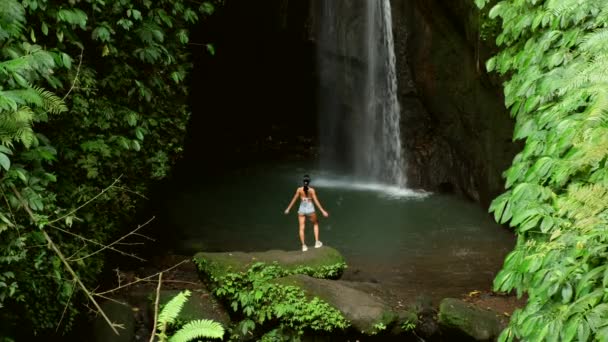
372	312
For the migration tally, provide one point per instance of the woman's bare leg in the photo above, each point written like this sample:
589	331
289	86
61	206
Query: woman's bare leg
315	222
302	221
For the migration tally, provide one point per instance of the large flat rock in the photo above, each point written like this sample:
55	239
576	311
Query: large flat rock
316	259
363	310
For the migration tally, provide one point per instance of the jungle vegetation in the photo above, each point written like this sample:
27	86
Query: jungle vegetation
554	58
92	111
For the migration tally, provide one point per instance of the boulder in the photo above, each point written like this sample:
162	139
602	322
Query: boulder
200	305
476	323
118	313
366	312
317	260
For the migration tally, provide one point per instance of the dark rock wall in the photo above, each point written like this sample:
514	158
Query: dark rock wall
263	85
457	132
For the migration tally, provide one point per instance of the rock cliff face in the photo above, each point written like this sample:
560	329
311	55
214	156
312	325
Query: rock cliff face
456	130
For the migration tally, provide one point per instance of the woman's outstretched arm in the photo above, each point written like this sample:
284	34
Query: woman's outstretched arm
295	197
314	197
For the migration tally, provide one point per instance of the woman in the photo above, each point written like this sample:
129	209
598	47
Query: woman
307	196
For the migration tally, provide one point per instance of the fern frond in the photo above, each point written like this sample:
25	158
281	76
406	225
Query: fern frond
202	328
15	65
12	17
51	102
7	102
28	96
583	203
169	313
12	130
593	40
597	112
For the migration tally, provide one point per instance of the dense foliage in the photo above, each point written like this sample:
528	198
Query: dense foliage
555	57
73	167
272	310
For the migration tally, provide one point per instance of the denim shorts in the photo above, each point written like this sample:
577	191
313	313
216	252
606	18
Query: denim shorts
306	208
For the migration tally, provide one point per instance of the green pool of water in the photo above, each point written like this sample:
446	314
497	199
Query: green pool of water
410	242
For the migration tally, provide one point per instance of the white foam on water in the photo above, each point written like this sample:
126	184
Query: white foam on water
385	190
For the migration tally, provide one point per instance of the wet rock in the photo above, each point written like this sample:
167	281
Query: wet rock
218	264
119	314
457	132
200	305
478	324
366	312
426	324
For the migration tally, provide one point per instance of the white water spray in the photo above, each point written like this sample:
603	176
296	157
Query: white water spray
364	111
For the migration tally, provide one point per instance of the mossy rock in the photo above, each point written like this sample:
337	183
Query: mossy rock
476	323
367	313
200	305
316	260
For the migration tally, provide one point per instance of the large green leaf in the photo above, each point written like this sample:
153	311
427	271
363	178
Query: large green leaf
5	162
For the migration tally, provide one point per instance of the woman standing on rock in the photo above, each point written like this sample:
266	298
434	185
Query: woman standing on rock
307	196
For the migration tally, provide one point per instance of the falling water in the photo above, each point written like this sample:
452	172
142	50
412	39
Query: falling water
360	112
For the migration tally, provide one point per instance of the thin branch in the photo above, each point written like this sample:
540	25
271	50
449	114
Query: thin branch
87	202
117	275
131	191
75	77
173	281
36	246
8	205
96	243
142	279
144	236
65	262
66	306
84	245
130	243
114	300
160	281
115	242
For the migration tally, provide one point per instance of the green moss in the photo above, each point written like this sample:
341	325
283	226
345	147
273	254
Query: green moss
248	288
320	263
479	324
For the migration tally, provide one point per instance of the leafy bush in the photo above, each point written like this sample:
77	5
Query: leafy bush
261	301
75	167
554	55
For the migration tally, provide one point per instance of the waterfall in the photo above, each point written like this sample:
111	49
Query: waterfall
360	113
